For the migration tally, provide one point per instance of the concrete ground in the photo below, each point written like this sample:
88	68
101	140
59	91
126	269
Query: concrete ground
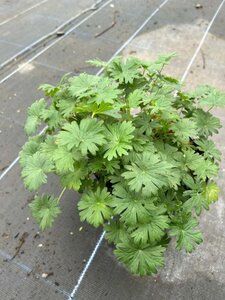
64	250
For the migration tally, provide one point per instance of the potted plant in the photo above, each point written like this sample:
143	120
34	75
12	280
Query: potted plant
136	147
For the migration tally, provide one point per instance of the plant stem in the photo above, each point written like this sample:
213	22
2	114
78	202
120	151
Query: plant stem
210	108
60	196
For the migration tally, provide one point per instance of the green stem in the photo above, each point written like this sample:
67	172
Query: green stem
129	114
160	71
60	196
210	108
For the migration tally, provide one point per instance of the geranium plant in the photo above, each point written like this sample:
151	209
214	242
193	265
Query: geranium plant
136	147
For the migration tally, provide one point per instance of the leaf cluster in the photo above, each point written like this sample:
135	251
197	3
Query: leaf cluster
136	147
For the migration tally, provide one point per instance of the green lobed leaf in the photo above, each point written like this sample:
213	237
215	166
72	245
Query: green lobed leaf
64	159
35	170
211	192
196	201
95	207
45	209
140	259
160	104
206	123
52	117
166	58
168	152
148	173
131	207
184	129
105	92
201	167
34	116
209	96
161	61
86	136
207	169
116	232
209	149
66	106
119	139
81	86
145	124
97	62
124	72
48	146
134	98
186	234
151	231
49	90
29	148
73	180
